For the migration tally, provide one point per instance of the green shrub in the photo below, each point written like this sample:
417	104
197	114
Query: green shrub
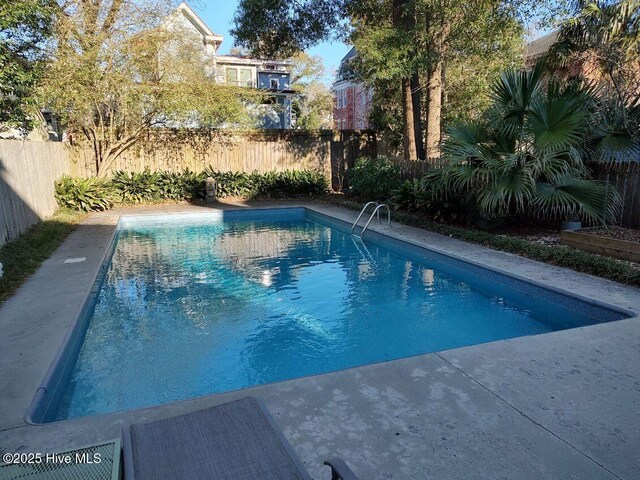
84	194
374	178
425	195
132	187
232	184
409	195
290	183
185	185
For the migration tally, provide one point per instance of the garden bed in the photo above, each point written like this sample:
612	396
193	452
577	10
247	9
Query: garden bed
616	242
537	243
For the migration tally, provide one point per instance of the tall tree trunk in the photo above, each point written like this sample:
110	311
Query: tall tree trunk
408	122
438	29
416	98
403	18
434	109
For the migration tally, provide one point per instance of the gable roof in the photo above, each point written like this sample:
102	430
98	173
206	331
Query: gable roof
351	54
541	45
208	34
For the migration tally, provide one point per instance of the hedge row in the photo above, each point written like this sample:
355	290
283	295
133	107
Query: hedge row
87	194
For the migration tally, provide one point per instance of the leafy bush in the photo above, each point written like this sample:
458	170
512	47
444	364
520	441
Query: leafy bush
84	194
131	188
374	178
410	195
427	195
290	183
185	185
136	187
232	184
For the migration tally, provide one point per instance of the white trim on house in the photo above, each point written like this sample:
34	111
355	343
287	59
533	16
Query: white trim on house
223	74
208	35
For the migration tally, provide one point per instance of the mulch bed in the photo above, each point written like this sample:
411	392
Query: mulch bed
619	233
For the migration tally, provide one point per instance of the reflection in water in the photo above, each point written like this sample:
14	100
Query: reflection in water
191	310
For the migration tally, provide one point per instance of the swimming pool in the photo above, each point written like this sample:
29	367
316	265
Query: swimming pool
196	304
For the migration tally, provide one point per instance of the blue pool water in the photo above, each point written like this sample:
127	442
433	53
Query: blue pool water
198	304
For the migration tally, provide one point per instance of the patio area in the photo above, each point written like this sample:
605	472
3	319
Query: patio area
558	405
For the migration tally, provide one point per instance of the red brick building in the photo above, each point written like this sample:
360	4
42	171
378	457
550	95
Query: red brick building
352	100
585	67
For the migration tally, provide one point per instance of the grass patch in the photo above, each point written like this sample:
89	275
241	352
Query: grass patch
22	257
562	256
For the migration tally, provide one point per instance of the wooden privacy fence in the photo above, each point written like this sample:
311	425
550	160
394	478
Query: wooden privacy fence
326	151
417	168
626	179
238	152
27	173
29	169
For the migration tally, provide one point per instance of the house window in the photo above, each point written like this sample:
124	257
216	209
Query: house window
245	78
275	84
342	98
232	76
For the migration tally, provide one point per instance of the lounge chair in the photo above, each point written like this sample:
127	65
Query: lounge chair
236	440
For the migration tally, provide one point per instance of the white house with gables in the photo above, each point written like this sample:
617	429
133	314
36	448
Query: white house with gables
272	76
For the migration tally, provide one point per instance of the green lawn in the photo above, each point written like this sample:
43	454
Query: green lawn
22	257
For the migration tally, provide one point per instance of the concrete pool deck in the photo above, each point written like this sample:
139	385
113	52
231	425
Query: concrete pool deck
558	405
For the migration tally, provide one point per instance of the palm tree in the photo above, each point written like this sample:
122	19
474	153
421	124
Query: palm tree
527	156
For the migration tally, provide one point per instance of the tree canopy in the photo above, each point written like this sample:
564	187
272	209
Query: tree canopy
122	67
433	56
313	105
279	29
604	40
25	26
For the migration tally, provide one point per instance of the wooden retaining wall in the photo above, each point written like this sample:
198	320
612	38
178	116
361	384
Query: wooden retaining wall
613	247
27	173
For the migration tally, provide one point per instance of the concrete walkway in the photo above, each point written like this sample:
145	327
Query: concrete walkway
559	405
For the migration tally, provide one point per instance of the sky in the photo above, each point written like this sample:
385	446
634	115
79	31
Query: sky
218	15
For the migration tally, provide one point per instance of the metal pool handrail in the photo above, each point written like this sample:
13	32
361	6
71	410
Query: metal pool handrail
384	205
362	213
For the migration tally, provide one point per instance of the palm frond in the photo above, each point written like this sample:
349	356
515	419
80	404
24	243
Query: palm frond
464	142
513	93
558	123
462	178
509	193
568	197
